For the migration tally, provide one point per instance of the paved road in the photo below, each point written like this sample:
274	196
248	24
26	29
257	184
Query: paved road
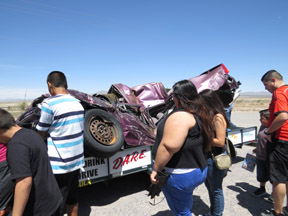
127	195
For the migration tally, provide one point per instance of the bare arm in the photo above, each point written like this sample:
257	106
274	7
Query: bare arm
220	129
279	120
175	133
21	195
43	134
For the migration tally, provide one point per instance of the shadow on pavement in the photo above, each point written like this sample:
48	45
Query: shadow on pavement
237	159
255	205
104	193
199	207
163	213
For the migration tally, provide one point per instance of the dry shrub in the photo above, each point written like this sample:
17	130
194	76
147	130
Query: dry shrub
251	103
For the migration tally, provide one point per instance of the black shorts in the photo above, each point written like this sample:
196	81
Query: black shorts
262	170
68	184
6	186
279	162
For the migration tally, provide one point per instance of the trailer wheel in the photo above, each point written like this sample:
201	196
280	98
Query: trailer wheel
103	134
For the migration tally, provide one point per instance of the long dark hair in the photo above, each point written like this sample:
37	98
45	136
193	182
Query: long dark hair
189	99
213	104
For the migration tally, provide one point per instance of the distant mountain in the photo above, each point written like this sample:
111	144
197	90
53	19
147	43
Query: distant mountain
255	94
14	100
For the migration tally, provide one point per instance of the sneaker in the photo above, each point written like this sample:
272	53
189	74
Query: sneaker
285	211
269	199
259	192
271	213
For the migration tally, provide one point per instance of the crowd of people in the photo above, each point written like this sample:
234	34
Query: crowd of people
183	149
39	171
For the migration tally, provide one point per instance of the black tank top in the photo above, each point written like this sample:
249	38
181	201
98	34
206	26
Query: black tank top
191	154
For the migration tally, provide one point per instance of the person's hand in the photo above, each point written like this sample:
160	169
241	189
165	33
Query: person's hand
153	177
268	137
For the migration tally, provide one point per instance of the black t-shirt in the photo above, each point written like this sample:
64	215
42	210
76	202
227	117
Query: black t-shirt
27	156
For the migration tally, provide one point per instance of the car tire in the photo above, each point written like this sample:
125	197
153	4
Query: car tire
103	134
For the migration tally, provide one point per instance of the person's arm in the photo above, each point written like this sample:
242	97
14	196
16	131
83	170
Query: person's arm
45	121
43	134
174	135
220	130
21	195
277	123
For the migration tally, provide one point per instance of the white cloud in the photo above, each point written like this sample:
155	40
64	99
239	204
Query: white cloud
20	93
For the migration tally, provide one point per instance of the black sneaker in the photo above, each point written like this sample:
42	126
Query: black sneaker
259	192
285	211
269	199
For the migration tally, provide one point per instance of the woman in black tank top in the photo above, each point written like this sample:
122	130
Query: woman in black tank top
182	140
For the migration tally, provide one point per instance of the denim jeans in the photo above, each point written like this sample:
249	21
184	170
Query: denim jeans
213	183
179	190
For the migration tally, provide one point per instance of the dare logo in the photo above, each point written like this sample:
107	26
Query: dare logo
129	158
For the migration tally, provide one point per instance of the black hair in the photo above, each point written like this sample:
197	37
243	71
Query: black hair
6	120
265	113
270	75
189	99
57	79
187	95
214	104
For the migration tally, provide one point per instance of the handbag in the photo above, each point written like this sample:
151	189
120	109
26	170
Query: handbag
155	189
223	161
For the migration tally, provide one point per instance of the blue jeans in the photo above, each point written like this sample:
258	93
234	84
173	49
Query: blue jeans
213	183
179	190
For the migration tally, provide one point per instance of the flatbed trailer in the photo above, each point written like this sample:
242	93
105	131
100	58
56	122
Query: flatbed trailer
138	159
240	136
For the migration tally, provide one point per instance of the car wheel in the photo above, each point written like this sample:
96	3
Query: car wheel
103	134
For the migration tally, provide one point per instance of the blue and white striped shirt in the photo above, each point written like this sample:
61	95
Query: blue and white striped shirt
63	117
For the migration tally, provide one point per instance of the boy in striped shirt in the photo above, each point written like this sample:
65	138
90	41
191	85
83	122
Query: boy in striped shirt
61	122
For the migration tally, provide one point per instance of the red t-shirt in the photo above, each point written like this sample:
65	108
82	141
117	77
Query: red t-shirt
3	149
279	103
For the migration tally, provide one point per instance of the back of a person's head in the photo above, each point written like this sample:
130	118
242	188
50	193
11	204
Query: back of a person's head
6	119
265	113
57	79
271	74
186	93
213	103
212	100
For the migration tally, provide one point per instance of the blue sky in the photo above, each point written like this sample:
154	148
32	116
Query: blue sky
99	43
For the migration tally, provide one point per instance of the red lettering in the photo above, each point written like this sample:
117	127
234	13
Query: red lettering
126	160
134	156
142	154
117	163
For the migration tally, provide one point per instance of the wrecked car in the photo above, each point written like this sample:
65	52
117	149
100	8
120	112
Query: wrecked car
127	117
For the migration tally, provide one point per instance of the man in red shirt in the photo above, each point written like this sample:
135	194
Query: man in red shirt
277	134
